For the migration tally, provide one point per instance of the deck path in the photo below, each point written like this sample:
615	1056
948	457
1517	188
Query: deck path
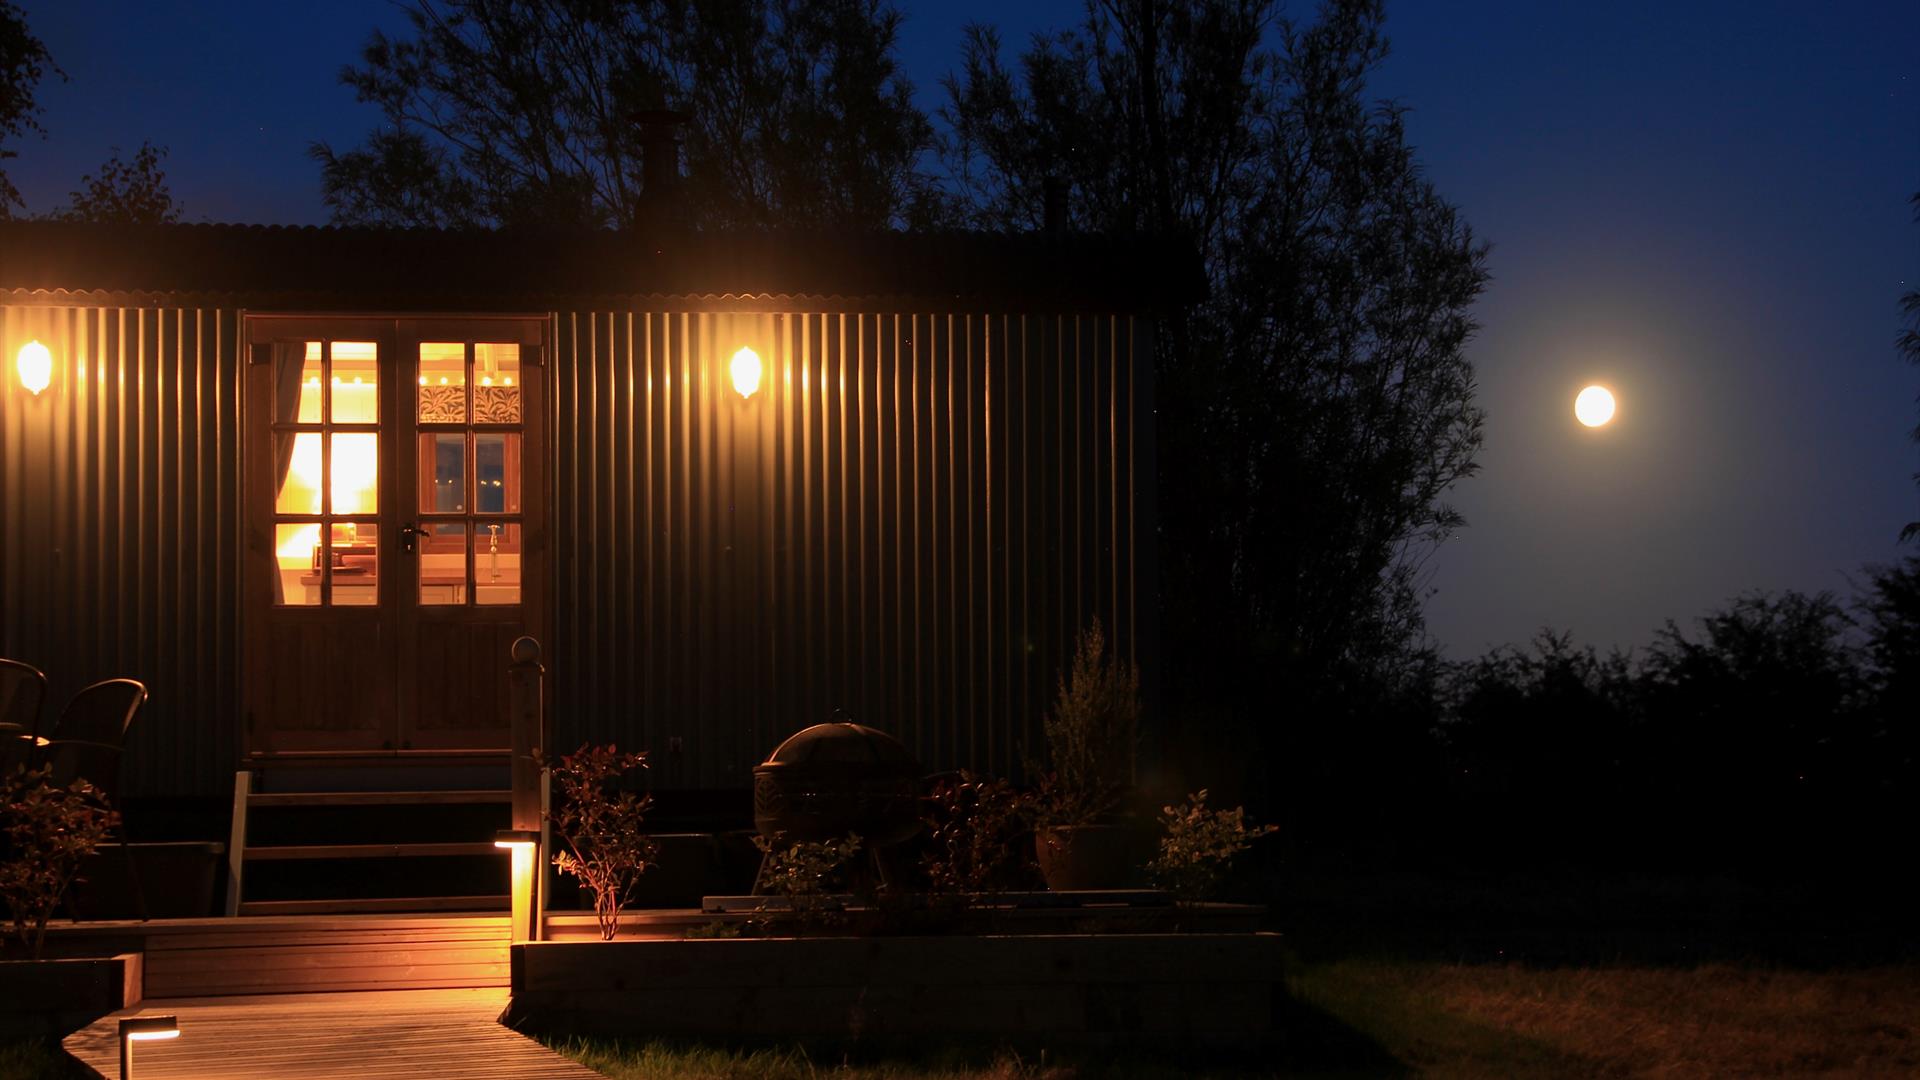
442	1034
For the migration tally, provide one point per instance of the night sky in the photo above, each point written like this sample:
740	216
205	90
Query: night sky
1702	205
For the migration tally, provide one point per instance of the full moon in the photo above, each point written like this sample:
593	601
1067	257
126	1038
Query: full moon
1594	406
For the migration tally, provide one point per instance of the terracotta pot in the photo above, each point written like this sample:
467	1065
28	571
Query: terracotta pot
1084	856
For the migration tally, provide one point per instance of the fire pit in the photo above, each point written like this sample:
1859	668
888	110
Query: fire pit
833	779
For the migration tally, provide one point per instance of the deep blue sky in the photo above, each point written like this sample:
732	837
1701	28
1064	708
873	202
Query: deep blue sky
1703	204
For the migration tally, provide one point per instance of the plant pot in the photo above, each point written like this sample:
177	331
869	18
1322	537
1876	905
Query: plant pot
49	998
1085	856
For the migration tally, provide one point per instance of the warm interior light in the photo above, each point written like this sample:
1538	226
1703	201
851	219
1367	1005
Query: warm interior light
151	1036
745	370
35	365
296	547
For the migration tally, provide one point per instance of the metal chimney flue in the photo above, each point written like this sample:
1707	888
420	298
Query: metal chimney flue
1053	205
660	131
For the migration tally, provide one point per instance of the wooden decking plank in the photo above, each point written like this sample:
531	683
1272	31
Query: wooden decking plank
273	800
370	851
396	904
446	1034
188	942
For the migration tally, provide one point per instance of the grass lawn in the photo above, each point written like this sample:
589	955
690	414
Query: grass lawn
1374	1018
1448	1020
37	1060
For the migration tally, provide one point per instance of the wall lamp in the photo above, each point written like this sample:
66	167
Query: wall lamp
135	1029
34	365
525	845
745	370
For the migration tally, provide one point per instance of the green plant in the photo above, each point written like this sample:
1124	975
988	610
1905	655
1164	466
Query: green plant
1092	735
50	830
718	928
601	825
1199	845
974	824
801	872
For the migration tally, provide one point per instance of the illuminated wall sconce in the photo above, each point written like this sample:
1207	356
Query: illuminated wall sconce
745	370
35	366
525	845
143	1029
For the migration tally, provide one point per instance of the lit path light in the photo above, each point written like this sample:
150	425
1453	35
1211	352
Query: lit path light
525	845
135	1029
35	367
745	370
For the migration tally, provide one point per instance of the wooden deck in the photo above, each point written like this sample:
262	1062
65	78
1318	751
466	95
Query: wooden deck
443	1034
293	954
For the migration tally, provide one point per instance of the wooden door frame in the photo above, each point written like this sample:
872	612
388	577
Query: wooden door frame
257	563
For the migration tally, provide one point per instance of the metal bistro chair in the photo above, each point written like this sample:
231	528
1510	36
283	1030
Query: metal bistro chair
23	689
88	743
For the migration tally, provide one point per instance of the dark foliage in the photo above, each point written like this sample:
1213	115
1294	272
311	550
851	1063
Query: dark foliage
504	112
1777	735
979	836
46	833
1092	735
1909	345
1316	407
602	824
24	61
124	192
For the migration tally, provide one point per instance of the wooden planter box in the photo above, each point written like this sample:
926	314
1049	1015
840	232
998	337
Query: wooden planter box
53	997
1221	988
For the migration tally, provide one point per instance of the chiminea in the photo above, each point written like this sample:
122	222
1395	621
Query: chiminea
833	779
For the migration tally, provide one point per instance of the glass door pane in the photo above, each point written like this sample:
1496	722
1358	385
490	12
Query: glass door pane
443	563
496	563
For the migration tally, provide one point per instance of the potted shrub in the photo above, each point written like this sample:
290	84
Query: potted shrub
600	825
975	829
1092	741
48	833
1198	845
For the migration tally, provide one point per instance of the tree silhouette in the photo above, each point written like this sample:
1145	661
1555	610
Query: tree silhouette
124	192
1318	404
1890	614
23	62
509	112
1909	344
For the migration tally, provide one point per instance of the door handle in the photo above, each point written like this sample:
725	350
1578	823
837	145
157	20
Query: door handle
410	535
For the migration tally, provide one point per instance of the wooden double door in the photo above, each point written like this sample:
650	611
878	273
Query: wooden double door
394	529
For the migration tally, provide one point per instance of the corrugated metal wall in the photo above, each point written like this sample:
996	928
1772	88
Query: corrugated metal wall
909	521
119	504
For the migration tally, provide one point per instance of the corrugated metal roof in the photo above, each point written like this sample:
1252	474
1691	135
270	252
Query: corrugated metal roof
538	269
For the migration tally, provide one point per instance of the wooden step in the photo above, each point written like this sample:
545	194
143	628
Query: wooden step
370	851
264	800
375	905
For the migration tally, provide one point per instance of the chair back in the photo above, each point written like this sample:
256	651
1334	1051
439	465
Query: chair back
91	735
23	689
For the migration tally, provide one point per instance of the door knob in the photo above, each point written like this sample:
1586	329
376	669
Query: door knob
410	535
